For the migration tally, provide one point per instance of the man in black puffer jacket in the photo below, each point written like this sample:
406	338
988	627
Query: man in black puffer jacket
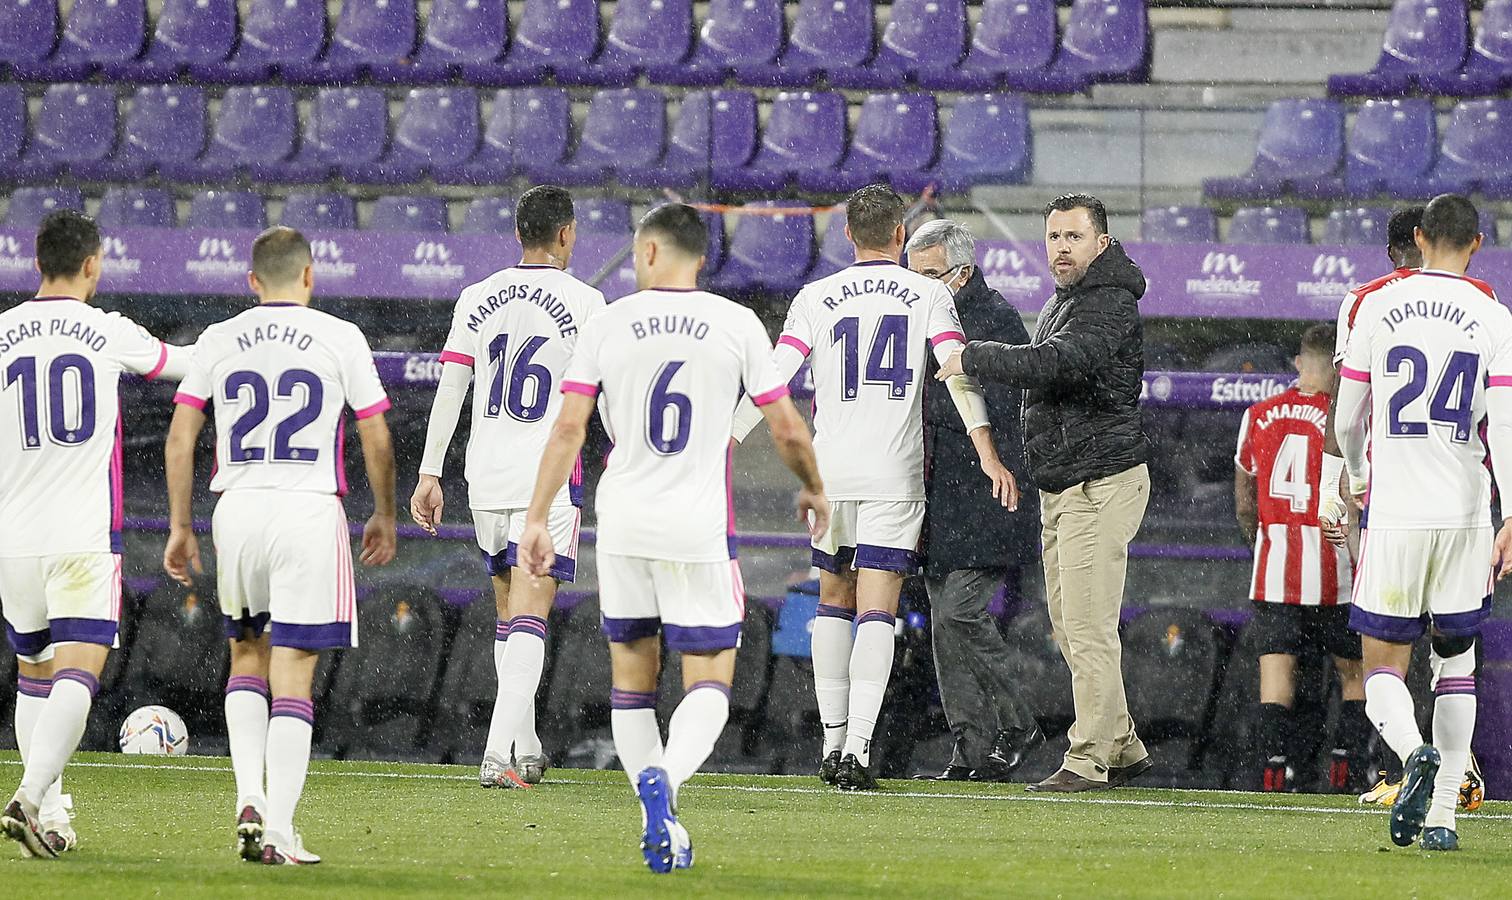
1081	375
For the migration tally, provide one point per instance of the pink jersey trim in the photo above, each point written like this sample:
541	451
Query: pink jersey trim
795	343
190	400
944	336
162	361
455	357
1353	374
772	396
1500	381
340	460
579	387
382	406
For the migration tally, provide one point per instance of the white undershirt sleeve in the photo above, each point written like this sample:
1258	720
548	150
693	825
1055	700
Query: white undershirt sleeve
747	416
446	409
1499	441
1350	409
965	391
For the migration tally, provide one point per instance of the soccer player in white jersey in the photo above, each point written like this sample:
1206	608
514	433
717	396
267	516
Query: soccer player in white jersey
1428	365
866	330
517	328
280	377
61	361
671	361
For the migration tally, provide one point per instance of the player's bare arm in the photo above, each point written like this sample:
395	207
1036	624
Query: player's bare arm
567	437
1246	508
379	539
794	445
181	558
428	501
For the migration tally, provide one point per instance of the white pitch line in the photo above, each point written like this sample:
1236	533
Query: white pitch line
1238	806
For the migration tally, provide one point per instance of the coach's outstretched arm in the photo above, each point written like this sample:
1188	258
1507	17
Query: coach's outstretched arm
427	502
796	448
379	540
181	559
567	436
1075	355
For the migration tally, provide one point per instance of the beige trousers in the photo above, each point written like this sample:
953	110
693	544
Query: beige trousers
1087	530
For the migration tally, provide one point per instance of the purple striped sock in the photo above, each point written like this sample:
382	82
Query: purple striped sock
1464	684
82	677
836	612
876	615
33	687
501	630
528	625
711	685
293	707
248	683
619	699
1383	670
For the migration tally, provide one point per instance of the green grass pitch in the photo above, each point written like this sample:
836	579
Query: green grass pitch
151	828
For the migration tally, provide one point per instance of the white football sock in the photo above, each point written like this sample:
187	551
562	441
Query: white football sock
31	698
288	754
870	667
519	676
1453	726
833	638
637	736
527	741
57	731
247	733
695	727
1389	705
497	743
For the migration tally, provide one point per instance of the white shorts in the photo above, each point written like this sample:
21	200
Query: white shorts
500	530
871	534
1407	578
283	563
699	606
61	599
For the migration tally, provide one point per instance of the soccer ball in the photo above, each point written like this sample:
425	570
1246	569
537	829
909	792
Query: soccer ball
154	731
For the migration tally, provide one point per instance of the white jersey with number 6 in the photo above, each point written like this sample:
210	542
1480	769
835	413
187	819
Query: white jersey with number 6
281	376
671	364
1429	345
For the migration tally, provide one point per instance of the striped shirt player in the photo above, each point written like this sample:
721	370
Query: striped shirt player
1349	309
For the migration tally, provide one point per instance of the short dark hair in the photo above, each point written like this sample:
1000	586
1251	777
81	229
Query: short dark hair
279	255
680	224
1400	227
65	239
1093	206
541	213
1319	339
1450	220
873	214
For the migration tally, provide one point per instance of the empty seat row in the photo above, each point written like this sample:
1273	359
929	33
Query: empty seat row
1428	47
1014	43
442	133
1351	226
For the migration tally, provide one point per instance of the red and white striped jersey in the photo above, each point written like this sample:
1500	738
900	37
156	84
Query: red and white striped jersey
1281	445
1349	310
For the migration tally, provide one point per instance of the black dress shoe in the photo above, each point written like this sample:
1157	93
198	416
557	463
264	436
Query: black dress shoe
952	773
1065	781
1009	750
1118	776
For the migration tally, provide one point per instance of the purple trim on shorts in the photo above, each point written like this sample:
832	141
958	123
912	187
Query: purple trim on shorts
236	629
28	643
619	699
886	559
702	638
710	685
835	612
84	631
840	562
87	679
623	631
501	630
1392	629
33	687
293	707
528	625
877	615
1464	684
311	637
1463	624
564	569
248	683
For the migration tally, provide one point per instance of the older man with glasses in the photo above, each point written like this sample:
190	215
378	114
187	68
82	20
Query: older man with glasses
972	544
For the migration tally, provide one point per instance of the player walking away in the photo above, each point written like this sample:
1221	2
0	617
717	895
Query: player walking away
671	362
866	330
522	324
61	360
1430	359
280	376
1301	582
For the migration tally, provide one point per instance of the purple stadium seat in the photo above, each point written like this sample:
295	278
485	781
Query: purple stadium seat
768	250
1269	225
456	32
97	31
735	34
1300	140
804	133
75	124
715	255
1476	154
367	33
922	35
1012	36
188	31
409	214
626	127
166	124
12	128
1422	37
256	126
986	141
439	127
551	33
1391	139
526	125
895	135
1488	70
1356	226
598	215
828	36
275	33
1179	225
227	209
347	129
319	212
137	208
714	129
29	32
836	252
1105	40
29	205
643	34
489	215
